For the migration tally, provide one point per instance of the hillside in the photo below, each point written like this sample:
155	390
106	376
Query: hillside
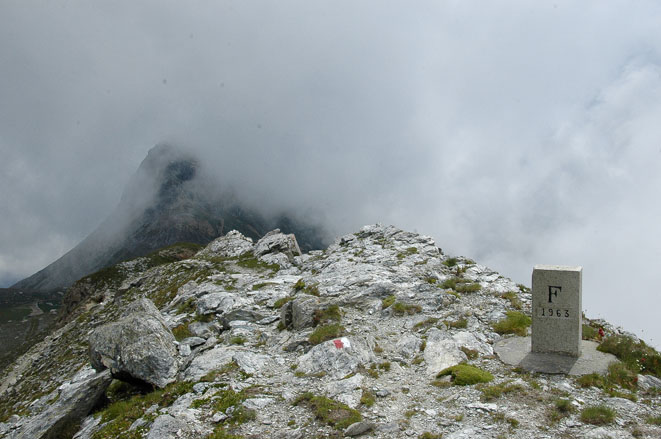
380	334
169	199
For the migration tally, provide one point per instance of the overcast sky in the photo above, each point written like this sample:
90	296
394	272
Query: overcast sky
513	132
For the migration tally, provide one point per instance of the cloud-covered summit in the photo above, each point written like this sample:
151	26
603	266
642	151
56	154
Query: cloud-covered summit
513	133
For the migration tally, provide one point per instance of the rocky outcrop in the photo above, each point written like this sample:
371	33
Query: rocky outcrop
137	347
347	341
70	403
277	242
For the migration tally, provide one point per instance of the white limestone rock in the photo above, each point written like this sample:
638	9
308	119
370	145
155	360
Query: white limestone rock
441	352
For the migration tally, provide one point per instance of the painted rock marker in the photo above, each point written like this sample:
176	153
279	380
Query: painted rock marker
556	309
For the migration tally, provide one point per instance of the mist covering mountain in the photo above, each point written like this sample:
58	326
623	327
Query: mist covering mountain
171	198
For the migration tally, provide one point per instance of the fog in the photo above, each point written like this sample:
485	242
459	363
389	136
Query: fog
513	133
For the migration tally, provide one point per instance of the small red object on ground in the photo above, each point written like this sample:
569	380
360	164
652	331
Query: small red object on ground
338	344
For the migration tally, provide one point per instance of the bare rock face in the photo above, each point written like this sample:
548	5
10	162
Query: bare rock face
299	313
139	346
277	242
337	358
73	402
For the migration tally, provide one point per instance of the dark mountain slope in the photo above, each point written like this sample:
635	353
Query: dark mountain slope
168	200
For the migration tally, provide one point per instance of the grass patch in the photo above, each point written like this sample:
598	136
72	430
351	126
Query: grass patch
561	409
408	252
589	333
466	375
460	285
181	332
119	415
326	332
367	398
248	260
281	302
329	411
597	415
654	420
457	324
514	300
388	301
237	340
428	435
312	290
211	376
515	323
327	315
638	356
450	262
497	390
471	354
426	323
401	308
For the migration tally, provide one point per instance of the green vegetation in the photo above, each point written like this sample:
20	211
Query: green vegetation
237	340
327	315
312	290
367	398
15	314
460	285
401	308
619	375
326	332
408	252
515	323
428	435
281	302
589	333
471	354
466	375
426	324
654	420
329	411
173	253
637	356
497	390
514	300
212	375
457	324
388	301
248	260
450	262
597	415
119	415
181	332
561	409
259	286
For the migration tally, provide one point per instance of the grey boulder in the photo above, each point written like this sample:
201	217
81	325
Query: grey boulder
138	346
73	402
277	242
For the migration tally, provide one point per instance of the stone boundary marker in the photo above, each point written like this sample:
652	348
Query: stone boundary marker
555	345
556	310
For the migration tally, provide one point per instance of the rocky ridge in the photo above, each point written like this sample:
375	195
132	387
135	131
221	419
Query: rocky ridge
258	340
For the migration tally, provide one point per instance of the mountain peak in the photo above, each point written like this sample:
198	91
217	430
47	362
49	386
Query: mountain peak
166	201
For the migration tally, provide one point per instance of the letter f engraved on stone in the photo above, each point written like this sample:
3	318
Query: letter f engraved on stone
553	291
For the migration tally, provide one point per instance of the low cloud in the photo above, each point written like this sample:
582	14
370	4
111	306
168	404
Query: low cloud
511	133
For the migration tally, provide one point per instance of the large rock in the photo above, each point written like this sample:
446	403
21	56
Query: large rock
441	352
138	346
231	245
277	242
299	313
169	427
72	403
337	358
